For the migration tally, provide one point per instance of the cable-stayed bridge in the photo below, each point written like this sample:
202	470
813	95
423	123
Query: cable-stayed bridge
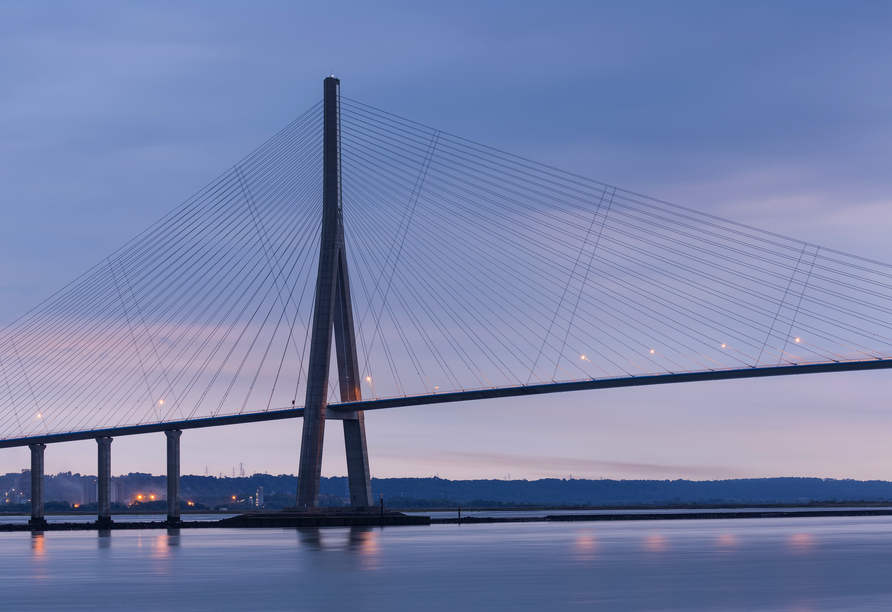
439	270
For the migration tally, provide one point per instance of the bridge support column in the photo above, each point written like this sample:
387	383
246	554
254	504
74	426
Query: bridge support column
332	311
358	475
103	496
37	516
173	475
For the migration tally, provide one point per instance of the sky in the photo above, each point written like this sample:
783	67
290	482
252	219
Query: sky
778	115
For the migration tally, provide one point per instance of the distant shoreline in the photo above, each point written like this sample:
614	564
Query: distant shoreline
637	508
656	516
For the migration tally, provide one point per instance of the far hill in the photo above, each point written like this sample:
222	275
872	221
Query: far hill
552	491
279	491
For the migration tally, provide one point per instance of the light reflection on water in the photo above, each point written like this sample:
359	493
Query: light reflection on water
727	542
655	543
37	543
585	546
801	542
814	564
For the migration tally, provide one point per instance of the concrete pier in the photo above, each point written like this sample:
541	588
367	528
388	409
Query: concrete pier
104	492
37	517
173	475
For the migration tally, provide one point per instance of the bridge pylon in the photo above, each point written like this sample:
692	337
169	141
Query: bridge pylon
333	310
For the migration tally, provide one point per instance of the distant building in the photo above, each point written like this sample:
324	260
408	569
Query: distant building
7	482
117	491
91	491
258	499
24	486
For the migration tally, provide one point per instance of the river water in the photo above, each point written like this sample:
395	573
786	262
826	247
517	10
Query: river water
790	564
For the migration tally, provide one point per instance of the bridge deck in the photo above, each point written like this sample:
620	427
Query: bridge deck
337	411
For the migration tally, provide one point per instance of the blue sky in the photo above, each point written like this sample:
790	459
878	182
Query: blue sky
772	114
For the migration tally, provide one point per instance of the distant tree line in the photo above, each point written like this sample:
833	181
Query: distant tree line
64	491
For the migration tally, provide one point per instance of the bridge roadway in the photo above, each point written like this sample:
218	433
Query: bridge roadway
337	411
174	429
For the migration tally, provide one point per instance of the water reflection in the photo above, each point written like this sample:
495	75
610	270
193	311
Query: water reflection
366	541
104	538
310	537
655	543
173	537
363	540
41	561
801	542
727	542
37	543
360	536
585	546
159	546
681	565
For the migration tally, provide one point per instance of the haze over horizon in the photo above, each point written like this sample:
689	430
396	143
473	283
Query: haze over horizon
775	116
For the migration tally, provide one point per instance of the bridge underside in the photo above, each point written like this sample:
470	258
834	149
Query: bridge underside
346	410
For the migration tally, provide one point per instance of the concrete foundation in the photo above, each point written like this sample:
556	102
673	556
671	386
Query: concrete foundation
37	517
104	491
173	475
324	519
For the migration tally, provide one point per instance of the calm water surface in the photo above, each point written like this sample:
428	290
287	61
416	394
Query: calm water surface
762	564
